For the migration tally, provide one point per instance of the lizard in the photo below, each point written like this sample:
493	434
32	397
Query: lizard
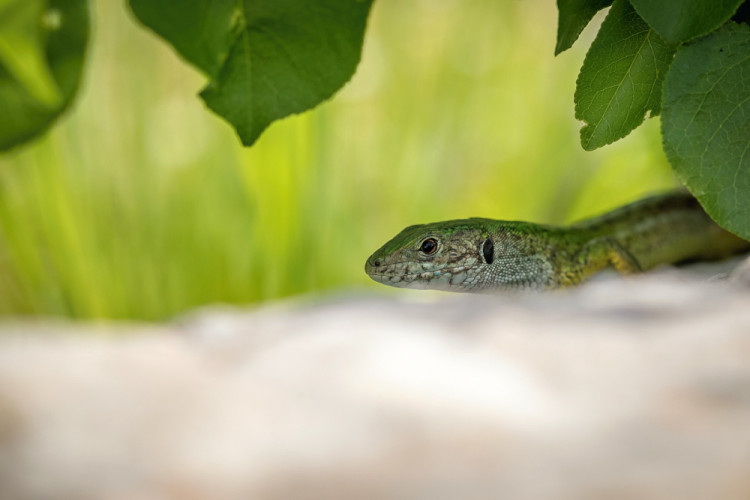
481	255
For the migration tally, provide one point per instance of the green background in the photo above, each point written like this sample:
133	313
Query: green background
140	203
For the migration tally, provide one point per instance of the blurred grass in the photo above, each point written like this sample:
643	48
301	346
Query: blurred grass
141	204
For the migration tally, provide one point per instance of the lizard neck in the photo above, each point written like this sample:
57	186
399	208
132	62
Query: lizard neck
530	256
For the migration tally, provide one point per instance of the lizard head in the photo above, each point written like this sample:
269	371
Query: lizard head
450	255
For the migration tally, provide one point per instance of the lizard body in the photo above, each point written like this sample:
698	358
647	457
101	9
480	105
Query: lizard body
476	255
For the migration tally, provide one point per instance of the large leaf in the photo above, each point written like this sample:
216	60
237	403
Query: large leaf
682	20
621	77
706	123
267	59
573	16
42	45
200	30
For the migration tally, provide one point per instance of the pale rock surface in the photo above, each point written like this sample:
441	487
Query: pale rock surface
622	389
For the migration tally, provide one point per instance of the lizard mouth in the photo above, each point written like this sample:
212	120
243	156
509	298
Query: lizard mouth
414	277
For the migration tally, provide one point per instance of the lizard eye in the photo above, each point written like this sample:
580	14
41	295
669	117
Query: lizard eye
428	246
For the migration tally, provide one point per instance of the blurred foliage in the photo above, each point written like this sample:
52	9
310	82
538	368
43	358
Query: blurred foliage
42	47
266	59
140	203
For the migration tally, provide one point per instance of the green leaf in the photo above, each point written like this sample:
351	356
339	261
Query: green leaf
42	46
621	77
682	20
202	31
706	123
267	59
573	16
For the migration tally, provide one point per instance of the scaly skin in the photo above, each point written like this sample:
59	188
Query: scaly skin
476	255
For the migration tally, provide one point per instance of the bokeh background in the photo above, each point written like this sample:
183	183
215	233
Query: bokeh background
140	203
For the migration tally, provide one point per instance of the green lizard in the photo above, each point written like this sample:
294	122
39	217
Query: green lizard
476	255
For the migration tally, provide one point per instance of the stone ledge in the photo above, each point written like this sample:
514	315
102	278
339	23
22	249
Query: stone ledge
635	388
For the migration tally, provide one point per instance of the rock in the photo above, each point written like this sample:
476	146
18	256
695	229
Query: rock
636	388
741	275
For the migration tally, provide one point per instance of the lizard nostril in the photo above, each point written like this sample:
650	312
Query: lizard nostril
376	263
